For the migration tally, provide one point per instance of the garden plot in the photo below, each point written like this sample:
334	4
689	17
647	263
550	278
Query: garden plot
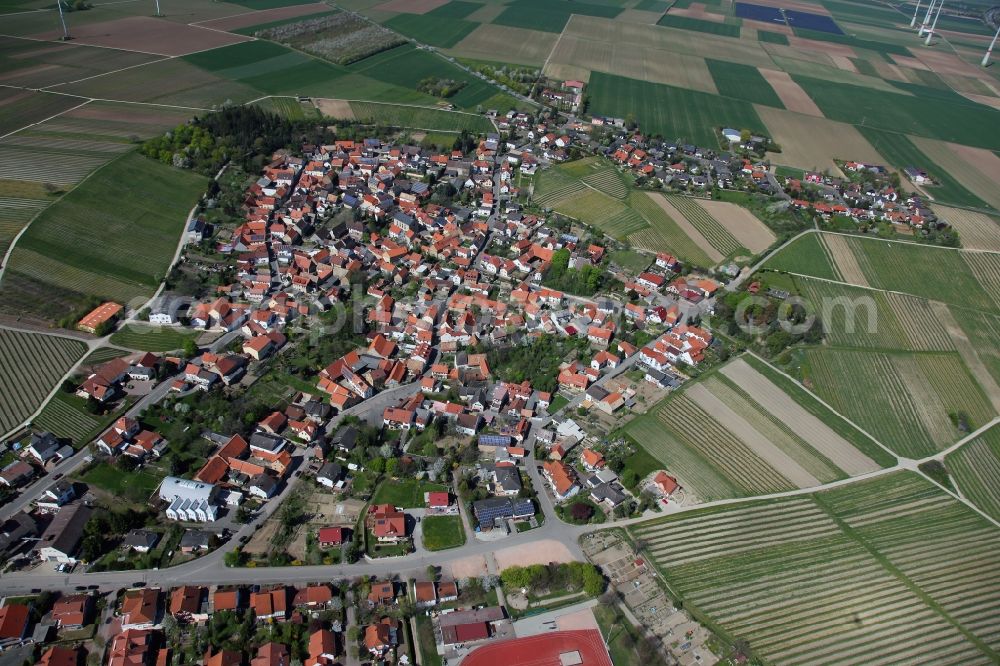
975	468
30	366
977	231
797	581
805	426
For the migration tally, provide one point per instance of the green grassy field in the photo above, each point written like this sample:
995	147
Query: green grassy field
438	120
844	576
565	189
713	231
151	338
104	238
976	469
405	493
930	112
442	532
135	486
698	25
675	113
32	364
805	256
436	30
549	15
743	82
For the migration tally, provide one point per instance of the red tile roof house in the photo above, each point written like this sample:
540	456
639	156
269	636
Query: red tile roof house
13	623
382	637
437	500
665	483
387	524
382	593
329	537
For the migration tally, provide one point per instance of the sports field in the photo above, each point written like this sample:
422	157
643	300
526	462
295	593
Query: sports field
113	237
32	365
839	577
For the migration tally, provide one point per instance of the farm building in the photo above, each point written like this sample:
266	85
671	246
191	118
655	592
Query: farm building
100	316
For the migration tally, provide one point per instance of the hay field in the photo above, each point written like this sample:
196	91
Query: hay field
976	169
646	64
518	45
976	230
813	143
791	95
743	225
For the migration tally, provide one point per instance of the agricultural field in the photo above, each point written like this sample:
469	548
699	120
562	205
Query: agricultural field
518	45
856	317
840	577
743	82
710	229
56	260
912	403
955	277
40	64
926	112
664	233
559	189
812	143
151	338
31	364
975	468
738	432
433	29
442	532
977	231
973	168
549	15
699	25
341	37
675	113
436	120
66	416
901	151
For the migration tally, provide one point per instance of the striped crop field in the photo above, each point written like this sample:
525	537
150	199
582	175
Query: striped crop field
905	401
845	576
152	338
858	317
31	364
975	467
663	234
64	416
15	212
713	231
747	430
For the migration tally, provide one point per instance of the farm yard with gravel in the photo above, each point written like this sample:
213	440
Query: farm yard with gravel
842	576
30	366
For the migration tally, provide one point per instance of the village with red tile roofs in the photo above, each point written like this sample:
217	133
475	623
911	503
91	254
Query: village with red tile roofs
559	392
